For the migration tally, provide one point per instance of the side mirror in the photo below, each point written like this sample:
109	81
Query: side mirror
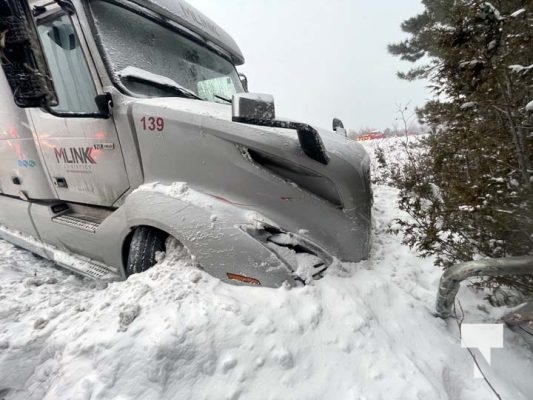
104	102
244	81
338	127
258	109
252	107
64	36
21	56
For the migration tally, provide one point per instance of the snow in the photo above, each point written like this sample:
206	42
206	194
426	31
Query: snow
304	263
397	151
470	64
517	68
467	105
139	73
493	10
364	331
518	12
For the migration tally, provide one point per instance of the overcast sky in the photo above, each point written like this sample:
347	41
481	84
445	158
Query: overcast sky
322	59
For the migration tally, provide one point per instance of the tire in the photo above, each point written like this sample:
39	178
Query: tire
144	245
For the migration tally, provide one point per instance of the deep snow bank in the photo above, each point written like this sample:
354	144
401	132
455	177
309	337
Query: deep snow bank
363	332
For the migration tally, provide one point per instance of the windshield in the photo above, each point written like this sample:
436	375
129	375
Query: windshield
158	55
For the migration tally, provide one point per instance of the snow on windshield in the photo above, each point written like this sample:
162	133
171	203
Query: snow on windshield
134	72
160	51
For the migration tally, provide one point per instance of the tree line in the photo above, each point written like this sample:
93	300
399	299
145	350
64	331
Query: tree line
468	188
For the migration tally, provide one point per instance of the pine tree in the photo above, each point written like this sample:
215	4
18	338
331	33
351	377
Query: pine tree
470	191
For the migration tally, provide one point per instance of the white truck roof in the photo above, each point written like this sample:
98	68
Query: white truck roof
186	15
189	17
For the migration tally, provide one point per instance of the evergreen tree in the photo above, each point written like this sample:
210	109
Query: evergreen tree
470	190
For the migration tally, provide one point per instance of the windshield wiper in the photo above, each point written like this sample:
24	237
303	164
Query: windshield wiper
223	98
159	81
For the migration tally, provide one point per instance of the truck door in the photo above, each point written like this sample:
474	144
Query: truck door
21	171
79	145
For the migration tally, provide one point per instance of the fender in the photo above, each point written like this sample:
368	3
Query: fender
209	229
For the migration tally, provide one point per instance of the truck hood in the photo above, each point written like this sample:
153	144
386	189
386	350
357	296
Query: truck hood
217	119
260	169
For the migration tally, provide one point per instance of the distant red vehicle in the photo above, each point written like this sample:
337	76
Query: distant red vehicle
371	136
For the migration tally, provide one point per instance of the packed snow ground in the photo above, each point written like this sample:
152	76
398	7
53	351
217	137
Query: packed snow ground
365	331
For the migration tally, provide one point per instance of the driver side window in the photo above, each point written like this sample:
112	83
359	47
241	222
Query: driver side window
71	76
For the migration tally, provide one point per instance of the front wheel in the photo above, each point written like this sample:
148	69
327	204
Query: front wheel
145	243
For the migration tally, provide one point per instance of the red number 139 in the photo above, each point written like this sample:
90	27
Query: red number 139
153	123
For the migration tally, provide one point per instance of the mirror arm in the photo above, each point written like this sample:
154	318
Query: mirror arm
244	81
309	138
67	6
104	102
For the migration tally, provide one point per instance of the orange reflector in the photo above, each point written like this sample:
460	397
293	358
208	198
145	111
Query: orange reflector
243	279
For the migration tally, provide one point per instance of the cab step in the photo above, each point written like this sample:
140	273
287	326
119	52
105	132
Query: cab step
75	263
83	222
84	266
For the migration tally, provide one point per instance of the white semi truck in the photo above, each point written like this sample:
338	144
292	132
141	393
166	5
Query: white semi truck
124	123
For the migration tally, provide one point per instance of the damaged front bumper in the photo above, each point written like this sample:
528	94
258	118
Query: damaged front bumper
306	260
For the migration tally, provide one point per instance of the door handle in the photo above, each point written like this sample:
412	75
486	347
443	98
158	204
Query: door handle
60	182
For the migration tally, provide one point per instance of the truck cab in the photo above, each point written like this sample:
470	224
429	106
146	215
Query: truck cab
124	123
